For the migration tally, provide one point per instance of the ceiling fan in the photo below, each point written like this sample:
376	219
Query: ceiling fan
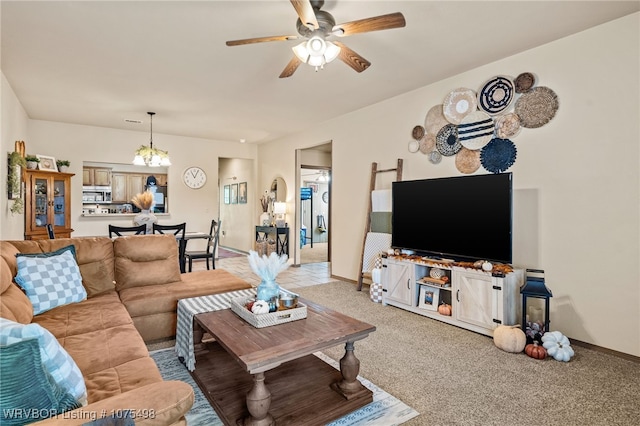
316	26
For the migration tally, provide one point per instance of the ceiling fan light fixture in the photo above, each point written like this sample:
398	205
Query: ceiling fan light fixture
332	51
300	50
316	46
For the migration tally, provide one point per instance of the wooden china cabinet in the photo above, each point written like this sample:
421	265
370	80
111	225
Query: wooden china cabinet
47	201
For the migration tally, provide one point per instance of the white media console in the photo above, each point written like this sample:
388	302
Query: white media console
480	301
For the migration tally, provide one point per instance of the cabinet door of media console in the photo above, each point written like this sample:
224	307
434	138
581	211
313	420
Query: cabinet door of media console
477	299
398	277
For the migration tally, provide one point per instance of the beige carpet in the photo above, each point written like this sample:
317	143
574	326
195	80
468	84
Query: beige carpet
319	253
456	377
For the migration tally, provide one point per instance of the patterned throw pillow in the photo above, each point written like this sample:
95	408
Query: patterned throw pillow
27	393
56	361
50	279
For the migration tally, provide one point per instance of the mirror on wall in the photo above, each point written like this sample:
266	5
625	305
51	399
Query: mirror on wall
107	188
279	190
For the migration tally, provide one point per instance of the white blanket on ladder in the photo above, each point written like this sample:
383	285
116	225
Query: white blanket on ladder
374	244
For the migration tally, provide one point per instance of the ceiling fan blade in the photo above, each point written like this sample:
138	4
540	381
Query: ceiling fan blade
351	58
376	23
306	13
291	67
260	40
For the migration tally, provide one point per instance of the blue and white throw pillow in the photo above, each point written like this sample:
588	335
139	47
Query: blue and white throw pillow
50	279
56	361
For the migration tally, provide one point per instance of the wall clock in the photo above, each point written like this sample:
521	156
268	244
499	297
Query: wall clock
194	177
325	196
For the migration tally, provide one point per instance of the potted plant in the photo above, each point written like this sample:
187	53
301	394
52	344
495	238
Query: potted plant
32	161
63	165
16	161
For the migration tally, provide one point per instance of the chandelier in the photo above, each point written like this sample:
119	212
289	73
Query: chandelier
316	51
148	155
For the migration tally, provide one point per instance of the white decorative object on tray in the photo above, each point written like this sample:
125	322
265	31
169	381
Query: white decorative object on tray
267	320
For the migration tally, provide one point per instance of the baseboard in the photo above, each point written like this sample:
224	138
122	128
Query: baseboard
604	350
575	342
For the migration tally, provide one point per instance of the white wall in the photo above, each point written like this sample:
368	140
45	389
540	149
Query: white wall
78	143
14	128
237	219
576	179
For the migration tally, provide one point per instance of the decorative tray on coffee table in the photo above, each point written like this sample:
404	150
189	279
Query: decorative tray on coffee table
238	305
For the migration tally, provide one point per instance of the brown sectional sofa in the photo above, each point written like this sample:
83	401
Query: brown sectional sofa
133	285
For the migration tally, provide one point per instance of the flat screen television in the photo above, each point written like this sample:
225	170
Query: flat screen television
462	218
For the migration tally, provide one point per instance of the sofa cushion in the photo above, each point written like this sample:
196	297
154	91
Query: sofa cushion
26	388
155	299
93	314
143	260
95	258
14	304
56	361
50	279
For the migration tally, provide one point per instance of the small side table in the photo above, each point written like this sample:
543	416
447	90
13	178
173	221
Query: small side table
281	237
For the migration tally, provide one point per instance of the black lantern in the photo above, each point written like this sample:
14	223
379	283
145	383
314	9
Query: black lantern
535	322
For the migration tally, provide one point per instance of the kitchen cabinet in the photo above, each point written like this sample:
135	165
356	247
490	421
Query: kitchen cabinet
161	180
119	188
47	201
95	176
135	185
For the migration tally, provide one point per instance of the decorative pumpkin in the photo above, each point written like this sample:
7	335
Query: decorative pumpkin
260	307
509	338
436	273
444	309
534	350
558	346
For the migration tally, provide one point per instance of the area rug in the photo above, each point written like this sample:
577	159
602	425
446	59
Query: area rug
384	410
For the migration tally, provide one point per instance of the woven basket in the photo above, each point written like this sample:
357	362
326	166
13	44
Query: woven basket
271	247
267	320
261	247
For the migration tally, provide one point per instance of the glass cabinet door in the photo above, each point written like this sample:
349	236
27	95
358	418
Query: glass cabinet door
41	202
59	202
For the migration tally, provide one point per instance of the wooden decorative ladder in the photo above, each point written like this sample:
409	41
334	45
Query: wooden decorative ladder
372	187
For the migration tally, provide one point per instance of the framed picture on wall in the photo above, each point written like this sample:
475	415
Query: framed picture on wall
227	194
242	193
234	193
429	298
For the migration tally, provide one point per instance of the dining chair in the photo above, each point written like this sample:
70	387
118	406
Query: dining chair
179	231
210	252
50	232
133	230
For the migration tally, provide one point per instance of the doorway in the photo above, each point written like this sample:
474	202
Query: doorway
314	215
314	204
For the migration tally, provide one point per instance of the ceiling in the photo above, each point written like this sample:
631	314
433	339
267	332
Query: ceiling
101	63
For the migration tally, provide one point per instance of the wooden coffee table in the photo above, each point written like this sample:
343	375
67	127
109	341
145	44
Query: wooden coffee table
266	376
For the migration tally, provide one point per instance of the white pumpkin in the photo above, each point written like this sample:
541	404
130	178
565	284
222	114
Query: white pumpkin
557	345
509	338
260	307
